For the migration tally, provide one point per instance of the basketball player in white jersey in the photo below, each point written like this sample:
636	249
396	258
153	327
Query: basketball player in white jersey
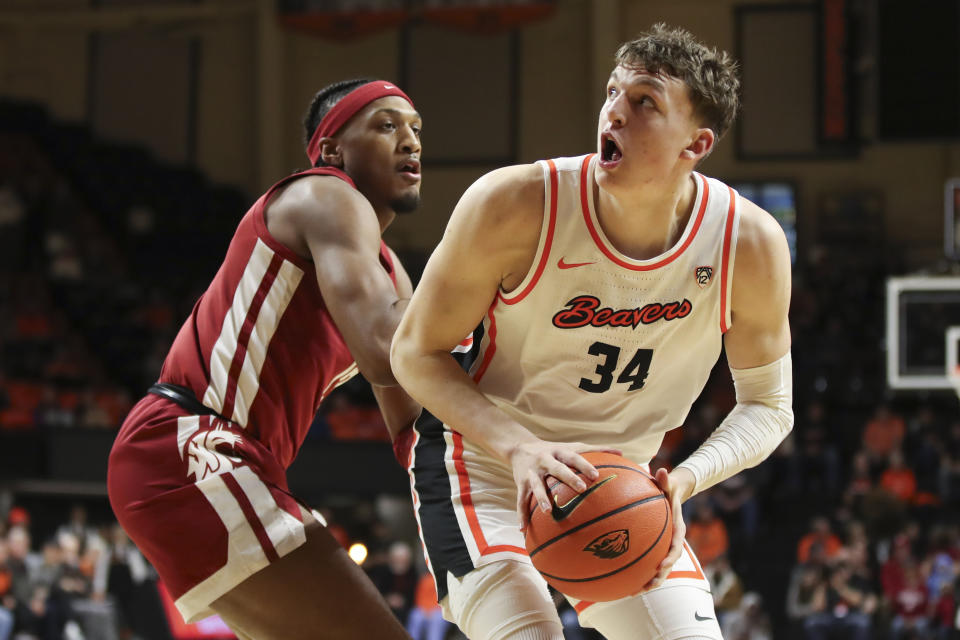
606	286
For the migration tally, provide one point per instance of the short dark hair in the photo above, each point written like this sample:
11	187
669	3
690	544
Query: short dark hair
710	74
323	101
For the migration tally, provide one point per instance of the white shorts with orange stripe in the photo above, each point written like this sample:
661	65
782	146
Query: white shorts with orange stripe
465	503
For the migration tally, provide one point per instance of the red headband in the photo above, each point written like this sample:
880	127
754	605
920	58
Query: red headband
346	108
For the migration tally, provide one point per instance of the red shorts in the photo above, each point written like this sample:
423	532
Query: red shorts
206	504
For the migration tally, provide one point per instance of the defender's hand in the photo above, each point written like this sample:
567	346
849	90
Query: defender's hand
677	486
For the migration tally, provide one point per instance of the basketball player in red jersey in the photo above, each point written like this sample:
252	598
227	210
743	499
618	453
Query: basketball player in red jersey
307	295
607	286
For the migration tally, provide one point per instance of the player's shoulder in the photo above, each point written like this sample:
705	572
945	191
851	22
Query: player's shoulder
760	238
325	193
506	197
320	201
520	184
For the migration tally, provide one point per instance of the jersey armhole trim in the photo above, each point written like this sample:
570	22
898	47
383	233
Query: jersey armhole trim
546	238
726	265
260	213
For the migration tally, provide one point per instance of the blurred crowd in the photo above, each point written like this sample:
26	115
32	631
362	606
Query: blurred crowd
76	582
847	531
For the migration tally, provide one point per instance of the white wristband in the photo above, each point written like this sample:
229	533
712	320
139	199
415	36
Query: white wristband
757	425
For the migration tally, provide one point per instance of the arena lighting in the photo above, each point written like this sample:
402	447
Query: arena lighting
357	552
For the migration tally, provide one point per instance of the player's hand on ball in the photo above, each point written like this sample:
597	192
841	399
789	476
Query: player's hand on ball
677	485
533	461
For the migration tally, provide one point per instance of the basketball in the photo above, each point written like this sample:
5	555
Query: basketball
606	542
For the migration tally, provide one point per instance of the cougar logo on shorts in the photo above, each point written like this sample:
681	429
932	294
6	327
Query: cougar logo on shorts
610	545
586	310
205	455
703	276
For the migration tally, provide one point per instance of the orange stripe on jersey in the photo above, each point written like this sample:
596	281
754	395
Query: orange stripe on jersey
580	606
727	234
697	574
467	499
491	343
551	224
585	206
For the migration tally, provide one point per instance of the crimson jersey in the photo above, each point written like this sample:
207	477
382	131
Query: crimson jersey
260	347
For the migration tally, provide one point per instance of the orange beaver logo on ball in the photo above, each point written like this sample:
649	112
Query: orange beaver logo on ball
610	545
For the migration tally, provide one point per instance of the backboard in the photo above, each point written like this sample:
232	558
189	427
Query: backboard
920	311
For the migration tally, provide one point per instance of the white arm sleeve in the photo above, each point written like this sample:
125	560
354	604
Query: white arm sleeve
757	425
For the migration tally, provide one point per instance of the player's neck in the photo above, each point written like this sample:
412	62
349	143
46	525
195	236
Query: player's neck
646	221
385	216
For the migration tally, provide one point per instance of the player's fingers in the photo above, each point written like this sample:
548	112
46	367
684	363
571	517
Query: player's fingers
525	507
539	491
567	476
663	480
573	459
666	566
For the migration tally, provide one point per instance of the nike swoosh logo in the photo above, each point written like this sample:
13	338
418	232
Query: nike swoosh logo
700	618
561	511
571	265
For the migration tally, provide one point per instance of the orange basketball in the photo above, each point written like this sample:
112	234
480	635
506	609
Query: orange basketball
606	542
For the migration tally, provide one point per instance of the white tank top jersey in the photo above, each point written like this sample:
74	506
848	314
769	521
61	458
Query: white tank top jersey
596	347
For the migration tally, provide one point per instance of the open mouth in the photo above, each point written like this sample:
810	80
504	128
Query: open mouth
410	167
609	151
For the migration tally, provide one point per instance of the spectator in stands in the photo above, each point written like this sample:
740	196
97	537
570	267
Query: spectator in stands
397	579
91	414
74	587
898	479
807	592
426	618
943	620
819	534
849	607
120	571
707	533
925	460
32	620
950	464
749	621
49	413
939	565
910	604
20	562
882	435
817	460
7	601
893	572
725	586
736	502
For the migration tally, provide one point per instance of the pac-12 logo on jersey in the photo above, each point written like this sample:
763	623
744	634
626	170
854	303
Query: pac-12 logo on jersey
703	276
586	310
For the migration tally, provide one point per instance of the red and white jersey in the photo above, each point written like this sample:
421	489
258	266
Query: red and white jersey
260	347
597	347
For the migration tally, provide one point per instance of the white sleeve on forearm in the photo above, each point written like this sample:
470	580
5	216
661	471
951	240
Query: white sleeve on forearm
757	425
